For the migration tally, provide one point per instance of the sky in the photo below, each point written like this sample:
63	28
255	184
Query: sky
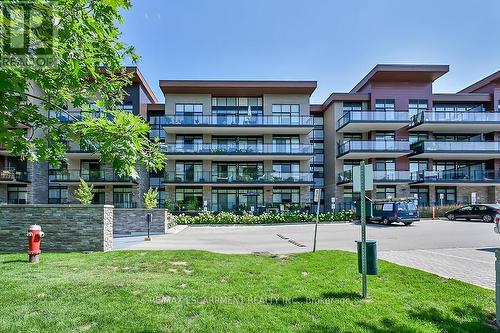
333	42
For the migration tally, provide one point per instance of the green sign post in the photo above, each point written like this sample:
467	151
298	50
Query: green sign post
363	181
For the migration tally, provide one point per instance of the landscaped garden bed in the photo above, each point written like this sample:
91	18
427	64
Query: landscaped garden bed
265	218
195	291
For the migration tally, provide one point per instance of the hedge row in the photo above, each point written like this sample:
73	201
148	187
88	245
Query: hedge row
440	210
265	218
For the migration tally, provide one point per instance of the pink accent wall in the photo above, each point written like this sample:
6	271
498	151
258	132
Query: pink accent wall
401	92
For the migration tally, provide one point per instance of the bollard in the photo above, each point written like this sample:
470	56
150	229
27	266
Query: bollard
433	212
149	217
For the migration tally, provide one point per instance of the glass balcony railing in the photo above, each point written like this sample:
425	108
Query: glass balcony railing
72	116
236	120
373	146
455	117
457	146
263	177
238	149
372	116
378	176
11	175
457	175
88	176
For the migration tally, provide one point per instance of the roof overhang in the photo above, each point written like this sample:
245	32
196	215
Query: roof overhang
237	88
156	107
493	78
460	97
402	73
139	78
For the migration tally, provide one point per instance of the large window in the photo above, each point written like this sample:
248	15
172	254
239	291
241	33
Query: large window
384	105
352	106
422	194
417	136
243	171
286	113
122	197
188	171
237	199
156	179
236	101
91	170
458	107
58	195
385	164
417	105
417	167
289	197
17	194
351	136
446	195
190	198
99	195
156	123
385	136
385	192
188	109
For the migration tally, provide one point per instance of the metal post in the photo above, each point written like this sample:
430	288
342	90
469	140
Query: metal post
497	286
149	217
316	226
363	229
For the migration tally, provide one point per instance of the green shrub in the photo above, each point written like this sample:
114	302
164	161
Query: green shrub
265	218
151	198
84	193
440	210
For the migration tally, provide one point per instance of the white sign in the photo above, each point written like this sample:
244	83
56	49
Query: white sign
473	198
317	195
333	200
252	209
356	178
282	208
333	207
441	196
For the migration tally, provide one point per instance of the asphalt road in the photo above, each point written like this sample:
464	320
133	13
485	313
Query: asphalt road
460	250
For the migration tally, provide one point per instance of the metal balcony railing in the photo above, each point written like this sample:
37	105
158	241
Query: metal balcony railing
372	116
456	146
378	176
263	177
373	146
88	176
240	149
236	120
457	175
455	117
14	175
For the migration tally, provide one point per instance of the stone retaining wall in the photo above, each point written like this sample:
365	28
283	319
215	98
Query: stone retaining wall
127	221
66	227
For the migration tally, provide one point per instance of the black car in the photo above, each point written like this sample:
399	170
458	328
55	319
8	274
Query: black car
485	212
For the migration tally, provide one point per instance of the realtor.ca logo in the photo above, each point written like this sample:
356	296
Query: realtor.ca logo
27	33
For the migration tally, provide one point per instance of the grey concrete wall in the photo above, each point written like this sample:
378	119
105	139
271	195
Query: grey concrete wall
66	227
126	221
39	173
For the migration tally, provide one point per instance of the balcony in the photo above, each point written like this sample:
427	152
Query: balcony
238	152
360	149
456	150
100	177
364	121
455	177
232	179
13	176
379	177
80	151
456	122
241	124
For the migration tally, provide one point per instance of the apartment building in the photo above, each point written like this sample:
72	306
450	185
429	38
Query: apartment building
260	145
24	182
235	145
439	148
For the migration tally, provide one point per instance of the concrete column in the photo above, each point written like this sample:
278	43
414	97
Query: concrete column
402	191
268	195
108	195
268	166
3	193
432	195
207	196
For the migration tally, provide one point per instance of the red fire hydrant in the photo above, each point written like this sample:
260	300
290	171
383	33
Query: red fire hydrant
35	235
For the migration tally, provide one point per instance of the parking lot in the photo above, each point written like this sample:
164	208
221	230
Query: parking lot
454	249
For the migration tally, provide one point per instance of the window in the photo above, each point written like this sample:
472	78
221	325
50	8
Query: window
351	136
385	192
417	105
188	171
422	194
384	105
189	143
385	165
188	109
286	109
289	197
17	195
58	195
189	198
91	171
457	137
99	195
126	107
122	197
156	179
237	171
446	195
352	106
228	199
286	143
417	136
348	165
156	122
417	167
237	101
458	107
385	136
286	170
318	120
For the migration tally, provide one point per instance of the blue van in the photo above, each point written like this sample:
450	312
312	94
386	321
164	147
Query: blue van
387	212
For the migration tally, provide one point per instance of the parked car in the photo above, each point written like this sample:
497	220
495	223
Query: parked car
484	212
388	212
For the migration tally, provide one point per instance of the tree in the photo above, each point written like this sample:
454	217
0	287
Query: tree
151	198
84	193
88	66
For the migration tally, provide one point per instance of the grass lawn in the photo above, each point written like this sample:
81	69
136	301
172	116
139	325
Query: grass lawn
195	291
